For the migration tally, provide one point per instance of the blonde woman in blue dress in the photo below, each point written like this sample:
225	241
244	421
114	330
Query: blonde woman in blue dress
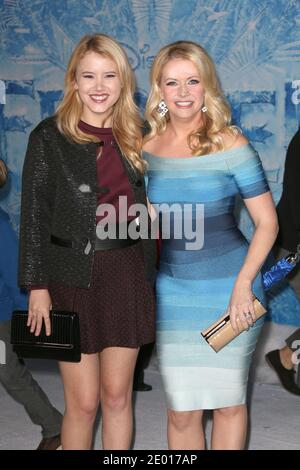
195	156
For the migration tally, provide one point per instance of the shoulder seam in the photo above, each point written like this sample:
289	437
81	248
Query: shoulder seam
45	124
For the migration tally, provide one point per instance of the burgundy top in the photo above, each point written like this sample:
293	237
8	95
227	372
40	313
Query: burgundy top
111	175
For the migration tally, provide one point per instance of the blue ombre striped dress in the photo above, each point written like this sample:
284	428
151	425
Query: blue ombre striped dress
194	286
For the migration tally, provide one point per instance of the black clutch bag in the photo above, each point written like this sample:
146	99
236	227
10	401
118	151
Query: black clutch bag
62	345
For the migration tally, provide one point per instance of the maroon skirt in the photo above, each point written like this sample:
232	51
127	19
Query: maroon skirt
118	309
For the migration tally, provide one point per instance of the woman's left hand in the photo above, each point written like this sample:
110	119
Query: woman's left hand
241	307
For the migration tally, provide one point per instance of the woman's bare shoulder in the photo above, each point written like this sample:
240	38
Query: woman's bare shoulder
234	141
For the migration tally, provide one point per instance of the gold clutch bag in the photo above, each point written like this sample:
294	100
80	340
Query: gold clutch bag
221	332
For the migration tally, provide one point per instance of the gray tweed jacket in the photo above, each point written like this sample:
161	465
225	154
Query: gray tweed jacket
53	205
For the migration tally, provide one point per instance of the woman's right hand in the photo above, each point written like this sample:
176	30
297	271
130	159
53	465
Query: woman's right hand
39	311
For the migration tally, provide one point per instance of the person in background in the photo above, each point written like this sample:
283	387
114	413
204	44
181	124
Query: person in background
14	375
288	211
142	363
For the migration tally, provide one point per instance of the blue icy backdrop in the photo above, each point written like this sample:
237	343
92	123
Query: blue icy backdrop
255	44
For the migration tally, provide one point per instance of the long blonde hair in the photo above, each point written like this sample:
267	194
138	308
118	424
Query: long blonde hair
126	121
3	173
216	120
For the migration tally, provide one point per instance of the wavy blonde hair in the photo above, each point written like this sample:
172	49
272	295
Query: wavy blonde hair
126	120
216	120
3	173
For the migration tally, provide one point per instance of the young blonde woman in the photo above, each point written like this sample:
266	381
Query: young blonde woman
82	173
198	163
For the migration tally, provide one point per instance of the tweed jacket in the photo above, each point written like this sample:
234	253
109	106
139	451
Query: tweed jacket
53	204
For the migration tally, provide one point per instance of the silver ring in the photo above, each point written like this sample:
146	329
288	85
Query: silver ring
247	315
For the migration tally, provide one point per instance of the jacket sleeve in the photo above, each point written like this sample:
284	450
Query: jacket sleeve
291	180
36	208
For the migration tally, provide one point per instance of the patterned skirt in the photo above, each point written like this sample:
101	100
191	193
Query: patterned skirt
118	309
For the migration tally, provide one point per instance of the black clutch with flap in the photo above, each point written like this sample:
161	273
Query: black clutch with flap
63	344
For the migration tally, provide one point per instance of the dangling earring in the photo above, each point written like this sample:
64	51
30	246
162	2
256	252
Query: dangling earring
162	108
204	109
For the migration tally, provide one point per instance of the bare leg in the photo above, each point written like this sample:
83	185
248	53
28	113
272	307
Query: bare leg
117	368
185	430
81	387
229	428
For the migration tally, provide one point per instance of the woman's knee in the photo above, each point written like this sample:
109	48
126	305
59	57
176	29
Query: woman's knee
115	400
182	420
230	411
84	406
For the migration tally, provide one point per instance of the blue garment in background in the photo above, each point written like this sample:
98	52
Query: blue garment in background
11	297
278	271
282	301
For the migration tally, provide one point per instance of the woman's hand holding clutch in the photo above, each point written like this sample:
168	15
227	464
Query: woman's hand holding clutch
39	311
243	310
241	306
